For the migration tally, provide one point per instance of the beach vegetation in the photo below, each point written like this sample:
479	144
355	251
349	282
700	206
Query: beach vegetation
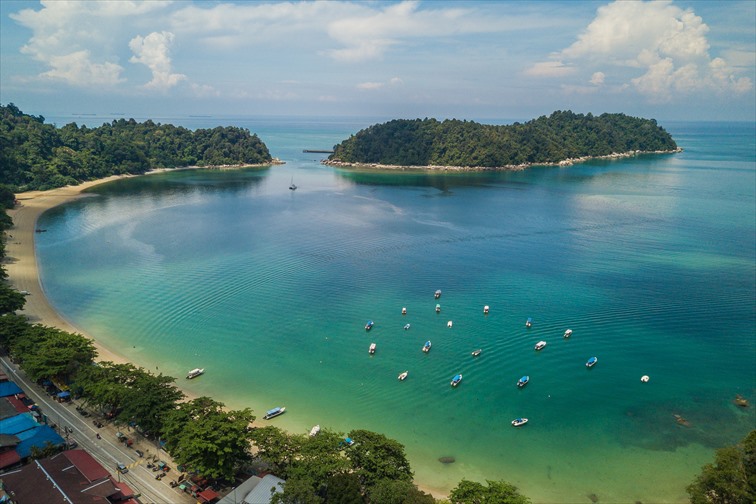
391	491
7	197
731	478
208	439
12	326
561	136
48	352
375	457
39	156
11	300
493	492
135	395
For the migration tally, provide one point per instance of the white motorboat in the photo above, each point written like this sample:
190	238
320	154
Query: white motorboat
645	378
449	324
272	413
485	310
402	376
568	333
315	431
477	352
406	326
371	350
540	345
194	373
517	422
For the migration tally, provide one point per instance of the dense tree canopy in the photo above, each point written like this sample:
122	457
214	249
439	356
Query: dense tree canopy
493	492
47	352
35	155
563	135
731	479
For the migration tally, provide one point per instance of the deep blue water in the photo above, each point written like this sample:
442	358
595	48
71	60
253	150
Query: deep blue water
650	260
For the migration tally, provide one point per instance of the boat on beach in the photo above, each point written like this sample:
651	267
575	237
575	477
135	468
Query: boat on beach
540	345
315	430
456	380
272	413
369	325
523	381
517	422
427	346
402	376
477	352
371	350
568	333
194	373
591	362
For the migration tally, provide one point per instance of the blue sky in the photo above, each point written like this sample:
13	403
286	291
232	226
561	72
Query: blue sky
673	60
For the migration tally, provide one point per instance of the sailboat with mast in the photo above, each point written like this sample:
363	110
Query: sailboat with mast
293	186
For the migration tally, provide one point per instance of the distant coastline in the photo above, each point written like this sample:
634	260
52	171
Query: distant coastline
519	167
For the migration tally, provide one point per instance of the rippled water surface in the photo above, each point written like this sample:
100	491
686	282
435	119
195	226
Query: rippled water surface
651	262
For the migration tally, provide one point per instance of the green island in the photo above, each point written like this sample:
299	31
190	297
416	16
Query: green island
561	138
39	156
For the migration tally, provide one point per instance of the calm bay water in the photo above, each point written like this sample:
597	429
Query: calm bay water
651	261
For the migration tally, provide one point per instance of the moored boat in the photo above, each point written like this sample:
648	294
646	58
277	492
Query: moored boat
369	325
427	346
449	324
402	376
456	380
645	378
404	311
315	430
194	373
406	326
591	362
568	333
437	294
540	345
371	350
477	352
517	422
438	308
529	322
523	381
485	310
272	413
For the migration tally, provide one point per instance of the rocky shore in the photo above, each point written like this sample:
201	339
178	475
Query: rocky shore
519	167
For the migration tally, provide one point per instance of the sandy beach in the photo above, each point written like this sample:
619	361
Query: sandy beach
21	259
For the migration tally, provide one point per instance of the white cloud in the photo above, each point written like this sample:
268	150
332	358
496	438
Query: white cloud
549	69
154	52
667	44
77	68
370	85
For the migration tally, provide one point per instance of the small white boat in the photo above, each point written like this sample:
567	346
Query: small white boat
437	294
315	431
645	378
427	346
523	381
194	373
406	326
477	352
272	413
517	422
438	308
456	380
568	333
485	310
540	345
402	376
404	311
449	324
591	362
529	322
371	350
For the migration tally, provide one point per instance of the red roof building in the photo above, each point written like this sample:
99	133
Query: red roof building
72	476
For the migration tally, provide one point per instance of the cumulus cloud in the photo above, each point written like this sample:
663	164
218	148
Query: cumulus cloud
663	45
154	52
549	69
370	86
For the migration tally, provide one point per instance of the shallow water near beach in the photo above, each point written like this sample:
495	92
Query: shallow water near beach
650	260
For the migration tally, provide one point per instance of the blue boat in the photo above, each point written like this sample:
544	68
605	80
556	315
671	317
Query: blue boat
523	381
519	422
369	325
591	362
274	412
455	381
427	346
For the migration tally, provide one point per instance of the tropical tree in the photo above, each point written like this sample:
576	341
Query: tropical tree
389	491
493	492
10	299
204	437
12	326
47	352
731	479
375	457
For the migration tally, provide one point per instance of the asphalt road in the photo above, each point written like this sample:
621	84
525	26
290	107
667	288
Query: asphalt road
107	450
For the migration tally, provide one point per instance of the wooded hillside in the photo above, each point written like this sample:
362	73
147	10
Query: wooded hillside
35	155
561	136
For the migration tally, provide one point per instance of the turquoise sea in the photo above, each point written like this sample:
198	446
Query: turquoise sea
651	261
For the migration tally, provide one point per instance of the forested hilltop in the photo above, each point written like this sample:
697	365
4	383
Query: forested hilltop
35	155
559	137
